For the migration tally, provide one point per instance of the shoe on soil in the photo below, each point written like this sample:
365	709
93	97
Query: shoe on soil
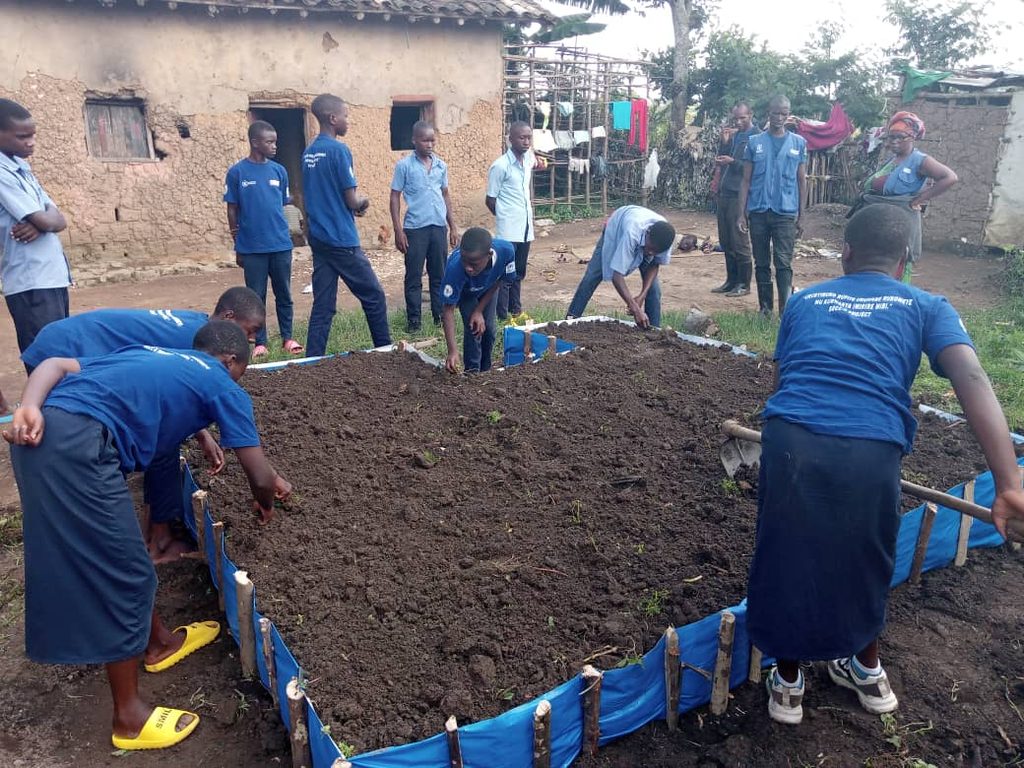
785	702
723	288
739	290
872	689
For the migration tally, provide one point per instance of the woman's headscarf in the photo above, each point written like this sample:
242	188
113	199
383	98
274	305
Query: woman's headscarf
907	122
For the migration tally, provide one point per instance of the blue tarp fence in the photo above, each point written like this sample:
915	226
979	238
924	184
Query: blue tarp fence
631	696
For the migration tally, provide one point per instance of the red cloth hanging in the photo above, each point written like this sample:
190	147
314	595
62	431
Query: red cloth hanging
833	131
638	124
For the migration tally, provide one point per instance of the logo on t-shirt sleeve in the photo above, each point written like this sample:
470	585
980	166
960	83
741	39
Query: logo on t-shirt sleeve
448	291
510	268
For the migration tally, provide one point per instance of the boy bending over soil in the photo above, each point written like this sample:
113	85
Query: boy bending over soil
89	582
475	272
829	492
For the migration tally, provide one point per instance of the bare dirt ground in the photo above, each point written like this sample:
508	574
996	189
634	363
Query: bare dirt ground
30	737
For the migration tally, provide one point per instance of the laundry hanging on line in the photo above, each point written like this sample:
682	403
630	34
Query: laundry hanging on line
565	108
564	139
598	132
544	140
581	137
620	115
638	124
544	107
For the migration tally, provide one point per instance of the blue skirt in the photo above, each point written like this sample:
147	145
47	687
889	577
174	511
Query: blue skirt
828	515
89	582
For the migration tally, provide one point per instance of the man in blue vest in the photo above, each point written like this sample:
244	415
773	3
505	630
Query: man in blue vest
771	201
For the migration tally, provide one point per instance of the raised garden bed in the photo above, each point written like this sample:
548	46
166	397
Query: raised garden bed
459	545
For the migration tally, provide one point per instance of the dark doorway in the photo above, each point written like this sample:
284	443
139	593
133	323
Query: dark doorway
290	124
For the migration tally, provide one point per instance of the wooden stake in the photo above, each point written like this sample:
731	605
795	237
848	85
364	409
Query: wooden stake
299	732
218	563
965	528
922	542
542	735
341	762
244	590
451	732
199	516
591	708
756	658
267	644
552	346
723	665
672	670
527	343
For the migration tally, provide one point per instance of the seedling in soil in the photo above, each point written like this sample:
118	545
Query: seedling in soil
494	416
426	459
551	622
576	511
639	548
897	734
506	694
346	749
243	705
730	486
654	603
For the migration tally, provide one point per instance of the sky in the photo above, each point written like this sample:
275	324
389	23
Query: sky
787	25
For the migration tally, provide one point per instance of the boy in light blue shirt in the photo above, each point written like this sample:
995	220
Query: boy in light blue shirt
33	267
429	228
256	191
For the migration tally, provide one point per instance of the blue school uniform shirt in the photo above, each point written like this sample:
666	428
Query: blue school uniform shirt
27	266
624	237
327	171
151	399
423	190
260	190
773	184
508	182
848	350
456	281
106	330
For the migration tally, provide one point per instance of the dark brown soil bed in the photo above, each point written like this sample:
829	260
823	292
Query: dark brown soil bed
457	545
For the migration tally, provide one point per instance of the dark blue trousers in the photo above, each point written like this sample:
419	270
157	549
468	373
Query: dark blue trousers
31	310
277	267
161	488
477	352
352	266
510	295
427	245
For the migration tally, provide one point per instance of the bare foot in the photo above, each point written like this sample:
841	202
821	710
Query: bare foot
173	551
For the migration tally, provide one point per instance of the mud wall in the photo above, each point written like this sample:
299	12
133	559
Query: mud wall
201	74
966	133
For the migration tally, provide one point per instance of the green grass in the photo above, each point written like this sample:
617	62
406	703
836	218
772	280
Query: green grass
998	334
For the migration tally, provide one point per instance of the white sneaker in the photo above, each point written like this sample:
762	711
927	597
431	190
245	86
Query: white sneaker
872	689
785	702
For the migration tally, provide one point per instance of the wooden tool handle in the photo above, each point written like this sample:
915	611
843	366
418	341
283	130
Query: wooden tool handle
1015	527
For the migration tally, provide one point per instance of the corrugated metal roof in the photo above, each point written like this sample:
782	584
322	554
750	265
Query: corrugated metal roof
507	11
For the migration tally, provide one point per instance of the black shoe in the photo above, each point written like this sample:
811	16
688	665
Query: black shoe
413	327
723	288
739	290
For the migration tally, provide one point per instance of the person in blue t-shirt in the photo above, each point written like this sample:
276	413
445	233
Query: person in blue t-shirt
104	331
835	432
771	200
89	582
429	226
256	192
332	201
476	271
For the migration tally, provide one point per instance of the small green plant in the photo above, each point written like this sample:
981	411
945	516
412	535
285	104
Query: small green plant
730	486
506	694
1013	276
346	749
639	548
494	416
551	622
576	511
654	603
629	658
243	705
430	456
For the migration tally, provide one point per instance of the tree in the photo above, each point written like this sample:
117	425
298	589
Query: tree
940	36
687	16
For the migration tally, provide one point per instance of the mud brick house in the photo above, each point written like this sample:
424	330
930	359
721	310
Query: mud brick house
975	125
143	104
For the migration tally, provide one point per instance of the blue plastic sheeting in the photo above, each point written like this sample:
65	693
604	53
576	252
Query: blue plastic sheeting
513	345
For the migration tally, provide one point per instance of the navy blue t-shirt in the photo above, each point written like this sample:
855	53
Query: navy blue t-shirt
151	399
848	351
327	171
456	281
260	190
103	331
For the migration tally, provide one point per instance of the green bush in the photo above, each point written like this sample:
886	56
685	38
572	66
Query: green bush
1013	277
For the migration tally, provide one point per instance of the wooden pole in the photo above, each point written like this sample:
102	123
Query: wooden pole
542	735
756	657
218	563
451	732
244	591
965	528
199	517
672	671
527	343
923	537
591	709
723	664
299	731
552	346
341	762
267	645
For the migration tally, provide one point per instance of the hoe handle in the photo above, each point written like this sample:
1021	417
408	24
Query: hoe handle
1015	528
